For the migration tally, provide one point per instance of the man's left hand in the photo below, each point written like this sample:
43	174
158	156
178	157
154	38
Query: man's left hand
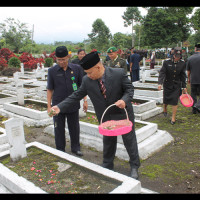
85	106
121	104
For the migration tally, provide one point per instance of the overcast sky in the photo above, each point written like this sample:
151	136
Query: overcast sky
66	23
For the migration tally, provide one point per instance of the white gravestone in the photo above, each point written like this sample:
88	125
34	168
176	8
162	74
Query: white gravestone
15	133
43	74
16	77
22	68
143	75
38	71
144	62
20	93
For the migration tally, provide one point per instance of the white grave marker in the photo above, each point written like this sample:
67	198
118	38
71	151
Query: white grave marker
43	74
15	133
143	75
20	93
22	68
16	77
144	62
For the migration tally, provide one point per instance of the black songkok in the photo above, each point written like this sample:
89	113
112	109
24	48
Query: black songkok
61	51
89	60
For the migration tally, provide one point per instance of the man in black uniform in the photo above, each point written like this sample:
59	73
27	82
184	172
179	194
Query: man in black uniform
63	79
173	77
115	92
193	72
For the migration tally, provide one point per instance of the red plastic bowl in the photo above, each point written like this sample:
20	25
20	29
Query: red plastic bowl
186	100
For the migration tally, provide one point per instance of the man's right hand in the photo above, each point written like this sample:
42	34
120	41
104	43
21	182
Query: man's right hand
54	111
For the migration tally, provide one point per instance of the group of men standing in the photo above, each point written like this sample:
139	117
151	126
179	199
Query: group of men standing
132	62
67	85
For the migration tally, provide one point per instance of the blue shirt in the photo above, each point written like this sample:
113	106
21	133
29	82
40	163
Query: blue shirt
61	81
135	59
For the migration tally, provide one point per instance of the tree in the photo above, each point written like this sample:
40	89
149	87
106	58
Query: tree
195	20
130	15
121	40
164	26
16	34
100	36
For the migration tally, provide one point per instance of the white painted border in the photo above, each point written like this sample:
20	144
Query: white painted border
17	184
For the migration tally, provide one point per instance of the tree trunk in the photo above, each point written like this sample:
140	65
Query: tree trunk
132	35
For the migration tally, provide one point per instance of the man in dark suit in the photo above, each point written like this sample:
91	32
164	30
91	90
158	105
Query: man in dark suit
135	65
193	71
117	90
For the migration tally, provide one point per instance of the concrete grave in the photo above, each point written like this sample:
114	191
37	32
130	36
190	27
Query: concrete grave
145	110
3	140
6	98
148	91
30	116
149	138
28	112
17	184
15	133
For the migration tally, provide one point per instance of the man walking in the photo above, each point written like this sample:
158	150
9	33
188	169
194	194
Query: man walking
135	65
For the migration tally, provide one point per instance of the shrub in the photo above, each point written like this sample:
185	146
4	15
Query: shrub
6	54
29	61
3	63
48	62
53	55
9	71
14	62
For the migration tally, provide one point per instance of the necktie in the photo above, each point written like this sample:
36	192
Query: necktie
103	89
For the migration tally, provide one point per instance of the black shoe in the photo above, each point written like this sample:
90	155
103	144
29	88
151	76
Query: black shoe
194	111
165	114
107	166
78	153
172	122
134	173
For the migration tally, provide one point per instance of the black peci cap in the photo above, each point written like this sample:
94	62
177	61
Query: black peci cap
61	51
89	60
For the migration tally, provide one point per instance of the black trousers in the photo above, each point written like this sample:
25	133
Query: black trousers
135	75
195	91
110	146
73	127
